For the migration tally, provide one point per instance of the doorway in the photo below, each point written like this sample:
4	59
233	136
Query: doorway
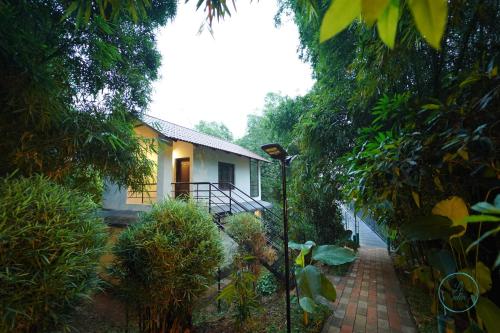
182	176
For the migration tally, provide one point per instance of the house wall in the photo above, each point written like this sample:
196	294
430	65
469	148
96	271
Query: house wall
165	170
206	167
115	197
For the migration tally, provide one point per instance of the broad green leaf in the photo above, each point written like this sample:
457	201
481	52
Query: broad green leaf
416	198
429	228
438	183
298	246
304	251
431	107
339	15
443	261
300	260
333	255
463	153
480	239
481	274
489	313
372	9
313	284
486	207
497	201
481	218
497	262
307	304
328	290
387	23
430	18
453	208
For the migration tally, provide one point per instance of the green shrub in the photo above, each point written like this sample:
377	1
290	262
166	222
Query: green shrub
247	231
267	284
166	261
50	244
239	294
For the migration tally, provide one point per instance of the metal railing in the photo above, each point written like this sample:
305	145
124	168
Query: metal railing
148	194
228	201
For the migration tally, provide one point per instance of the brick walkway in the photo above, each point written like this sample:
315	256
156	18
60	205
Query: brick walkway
369	298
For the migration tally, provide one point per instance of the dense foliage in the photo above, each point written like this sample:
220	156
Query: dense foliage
274	125
403	133
313	210
216	129
50	244
69	89
165	262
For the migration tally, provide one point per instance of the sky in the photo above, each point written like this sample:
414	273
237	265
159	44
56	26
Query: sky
226	76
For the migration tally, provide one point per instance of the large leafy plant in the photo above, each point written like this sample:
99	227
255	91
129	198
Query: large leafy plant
448	223
313	285
430	18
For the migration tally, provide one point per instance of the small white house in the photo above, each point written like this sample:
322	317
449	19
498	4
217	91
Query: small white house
195	164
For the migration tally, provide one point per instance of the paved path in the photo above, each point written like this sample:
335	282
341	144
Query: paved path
369	298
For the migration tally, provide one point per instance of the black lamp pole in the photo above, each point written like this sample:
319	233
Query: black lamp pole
277	152
285	240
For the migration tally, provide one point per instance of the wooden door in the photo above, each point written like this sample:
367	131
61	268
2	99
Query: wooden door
182	166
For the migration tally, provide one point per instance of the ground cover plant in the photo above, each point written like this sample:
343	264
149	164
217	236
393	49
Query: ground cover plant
50	244
269	318
165	261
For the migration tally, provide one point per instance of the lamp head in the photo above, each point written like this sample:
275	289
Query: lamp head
275	151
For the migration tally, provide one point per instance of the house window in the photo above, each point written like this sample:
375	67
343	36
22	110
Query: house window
226	175
254	178
147	194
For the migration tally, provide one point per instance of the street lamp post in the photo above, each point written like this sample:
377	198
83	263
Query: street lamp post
277	152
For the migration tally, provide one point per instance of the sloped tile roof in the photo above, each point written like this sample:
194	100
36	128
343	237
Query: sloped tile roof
177	132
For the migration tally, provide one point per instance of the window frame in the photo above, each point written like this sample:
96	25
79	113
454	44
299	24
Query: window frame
254	187
223	184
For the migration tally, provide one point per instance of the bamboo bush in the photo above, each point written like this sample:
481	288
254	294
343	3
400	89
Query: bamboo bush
50	244
165	262
248	232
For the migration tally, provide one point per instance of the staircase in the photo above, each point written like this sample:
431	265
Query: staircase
224	199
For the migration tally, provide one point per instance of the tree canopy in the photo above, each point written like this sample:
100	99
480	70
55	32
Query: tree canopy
214	128
69	91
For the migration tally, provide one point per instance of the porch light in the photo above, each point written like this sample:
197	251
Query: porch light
275	151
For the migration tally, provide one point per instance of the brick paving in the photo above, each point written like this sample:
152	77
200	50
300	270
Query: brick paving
369	298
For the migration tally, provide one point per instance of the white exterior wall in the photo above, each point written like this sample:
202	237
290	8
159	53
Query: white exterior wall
165	170
206	167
